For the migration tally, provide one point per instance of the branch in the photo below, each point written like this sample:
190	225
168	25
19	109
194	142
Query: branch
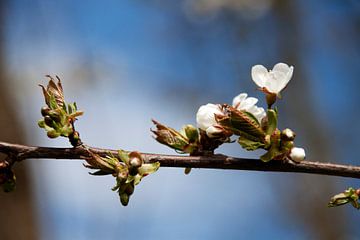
18	153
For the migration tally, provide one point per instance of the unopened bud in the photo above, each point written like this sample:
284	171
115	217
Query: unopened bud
357	191
54	115
297	154
135	159
48	121
53	134
122	176
214	131
129	189
124	199
45	111
288	135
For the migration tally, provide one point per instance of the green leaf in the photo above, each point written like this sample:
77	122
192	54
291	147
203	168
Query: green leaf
243	124
272	121
170	137
191	133
249	144
148	168
41	123
124	156
124	199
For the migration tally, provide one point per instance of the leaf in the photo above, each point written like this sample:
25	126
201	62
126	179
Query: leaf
243	124
124	156
41	123
148	168
191	133
249	144
272	121
170	137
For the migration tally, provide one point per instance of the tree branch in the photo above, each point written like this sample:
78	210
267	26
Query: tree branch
18	152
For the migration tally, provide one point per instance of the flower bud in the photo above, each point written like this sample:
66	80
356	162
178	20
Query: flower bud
297	154
53	134
214	131
48	121
129	189
124	199
288	135
45	111
206	119
135	159
358	192
54	115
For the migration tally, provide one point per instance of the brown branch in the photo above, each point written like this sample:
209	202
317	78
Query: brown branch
18	152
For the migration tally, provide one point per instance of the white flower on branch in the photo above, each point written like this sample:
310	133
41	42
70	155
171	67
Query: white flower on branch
243	103
205	119
297	154
273	81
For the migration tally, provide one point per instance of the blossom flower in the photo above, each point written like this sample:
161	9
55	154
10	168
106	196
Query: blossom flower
272	81
297	154
205	118
243	103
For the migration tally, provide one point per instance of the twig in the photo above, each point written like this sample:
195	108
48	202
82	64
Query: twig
22	152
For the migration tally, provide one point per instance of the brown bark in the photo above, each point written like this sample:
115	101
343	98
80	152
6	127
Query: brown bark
22	152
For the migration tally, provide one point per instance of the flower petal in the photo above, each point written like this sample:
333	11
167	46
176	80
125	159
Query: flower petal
238	99
259	75
247	103
205	117
281	74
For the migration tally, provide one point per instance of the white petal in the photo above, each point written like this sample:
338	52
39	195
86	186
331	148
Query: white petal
213	131
238	99
259	113
259	75
205	117
282	74
247	103
281	67
297	154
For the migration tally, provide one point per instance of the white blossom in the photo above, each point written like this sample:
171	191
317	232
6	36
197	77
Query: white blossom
297	154
272	81
205	118
243	103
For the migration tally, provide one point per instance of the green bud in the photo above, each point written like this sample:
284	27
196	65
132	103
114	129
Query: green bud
54	115
41	123
45	111
129	189
53	134
48	121
287	135
124	199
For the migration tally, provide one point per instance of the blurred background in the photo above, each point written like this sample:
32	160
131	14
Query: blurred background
125	62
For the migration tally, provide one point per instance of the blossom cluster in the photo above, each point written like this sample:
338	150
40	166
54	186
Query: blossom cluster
254	126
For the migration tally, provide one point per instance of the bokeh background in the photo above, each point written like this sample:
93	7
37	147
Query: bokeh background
125	62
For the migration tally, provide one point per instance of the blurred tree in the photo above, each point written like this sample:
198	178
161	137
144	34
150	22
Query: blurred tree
17	210
300	109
